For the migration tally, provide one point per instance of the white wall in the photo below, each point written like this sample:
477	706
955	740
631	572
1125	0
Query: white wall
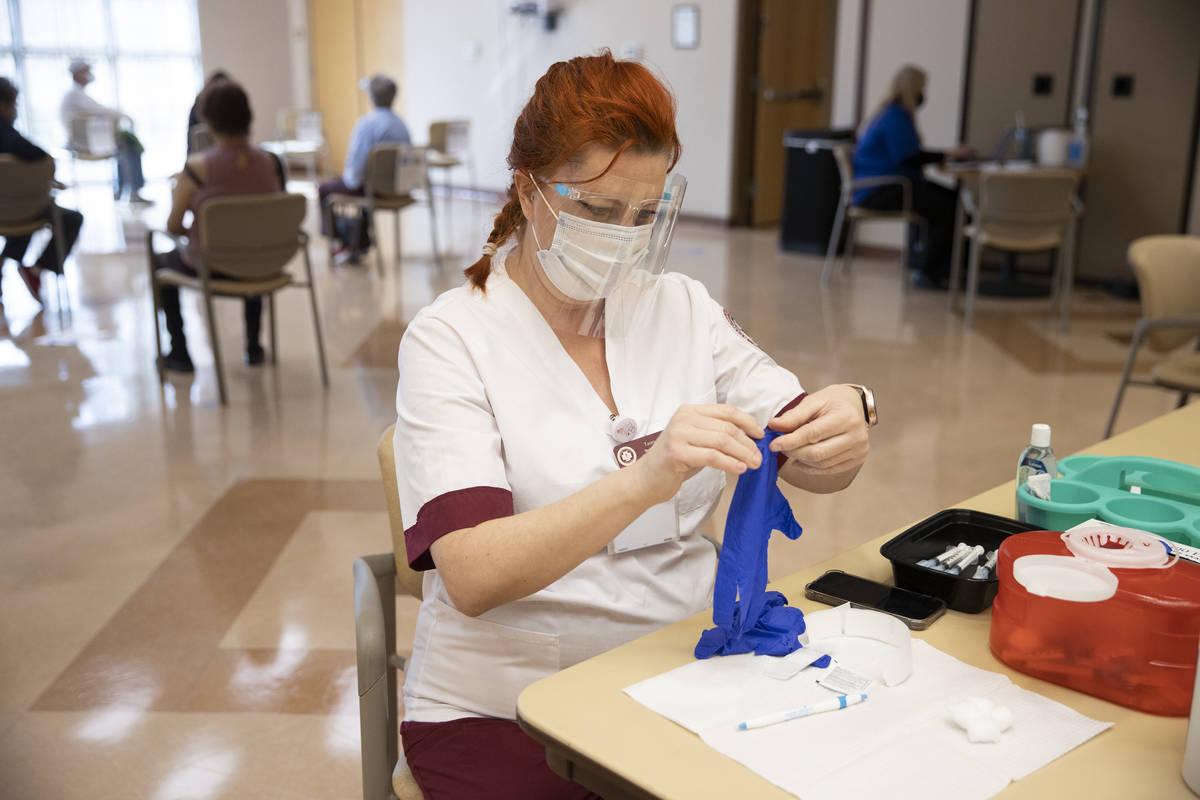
929	33
845	63
252	42
473	59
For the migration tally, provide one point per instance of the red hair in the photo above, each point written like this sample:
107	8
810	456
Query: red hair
587	100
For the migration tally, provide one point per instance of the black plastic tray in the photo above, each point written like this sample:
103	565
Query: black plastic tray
931	536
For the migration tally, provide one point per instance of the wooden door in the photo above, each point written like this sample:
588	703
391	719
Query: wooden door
792	88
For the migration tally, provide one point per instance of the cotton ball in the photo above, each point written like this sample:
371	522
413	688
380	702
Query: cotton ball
983	729
1003	717
982	719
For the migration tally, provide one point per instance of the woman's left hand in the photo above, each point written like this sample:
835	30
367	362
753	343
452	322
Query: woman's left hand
825	434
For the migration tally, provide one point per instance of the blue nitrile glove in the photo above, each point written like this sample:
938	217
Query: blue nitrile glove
748	617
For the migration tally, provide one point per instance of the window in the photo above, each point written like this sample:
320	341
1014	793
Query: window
145	56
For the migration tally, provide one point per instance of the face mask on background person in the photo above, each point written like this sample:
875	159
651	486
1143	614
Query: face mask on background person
587	260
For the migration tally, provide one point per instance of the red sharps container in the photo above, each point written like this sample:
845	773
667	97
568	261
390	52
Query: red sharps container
1108	611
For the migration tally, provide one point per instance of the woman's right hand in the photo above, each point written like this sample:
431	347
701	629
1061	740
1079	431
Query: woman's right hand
699	436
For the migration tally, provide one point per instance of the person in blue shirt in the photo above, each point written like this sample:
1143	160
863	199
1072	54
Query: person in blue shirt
379	125
890	145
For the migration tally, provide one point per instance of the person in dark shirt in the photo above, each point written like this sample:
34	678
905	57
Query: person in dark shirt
14	144
218	76
890	145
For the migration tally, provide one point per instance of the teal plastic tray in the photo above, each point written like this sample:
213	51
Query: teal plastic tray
1102	488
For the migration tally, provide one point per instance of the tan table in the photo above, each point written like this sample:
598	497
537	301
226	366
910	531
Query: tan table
603	739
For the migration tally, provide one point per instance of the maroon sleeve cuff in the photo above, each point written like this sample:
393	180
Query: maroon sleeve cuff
453	511
781	458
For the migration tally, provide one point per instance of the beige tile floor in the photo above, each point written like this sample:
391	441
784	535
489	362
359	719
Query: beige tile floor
175	598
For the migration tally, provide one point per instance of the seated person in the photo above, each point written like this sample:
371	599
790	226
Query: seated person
16	145
378	126
890	145
78	103
194	112
231	166
509	386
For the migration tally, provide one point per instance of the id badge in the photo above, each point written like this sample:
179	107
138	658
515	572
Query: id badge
659	523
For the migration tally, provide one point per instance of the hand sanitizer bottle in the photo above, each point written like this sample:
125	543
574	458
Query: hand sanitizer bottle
1038	457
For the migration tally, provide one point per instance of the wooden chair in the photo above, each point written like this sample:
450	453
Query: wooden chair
248	240
1167	269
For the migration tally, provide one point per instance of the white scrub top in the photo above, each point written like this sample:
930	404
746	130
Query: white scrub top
495	418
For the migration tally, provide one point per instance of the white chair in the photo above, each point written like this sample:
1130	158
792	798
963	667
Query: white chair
91	138
1023	212
396	175
1168	276
25	192
450	147
301	138
848	213
248	239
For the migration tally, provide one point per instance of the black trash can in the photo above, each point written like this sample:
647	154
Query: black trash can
811	186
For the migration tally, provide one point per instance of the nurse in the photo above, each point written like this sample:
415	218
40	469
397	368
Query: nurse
566	419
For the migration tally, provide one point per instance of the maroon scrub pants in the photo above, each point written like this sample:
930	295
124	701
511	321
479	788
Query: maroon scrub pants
482	758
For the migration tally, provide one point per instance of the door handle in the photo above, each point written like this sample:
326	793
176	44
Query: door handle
784	96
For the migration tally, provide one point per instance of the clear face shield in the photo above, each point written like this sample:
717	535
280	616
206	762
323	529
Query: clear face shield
599	274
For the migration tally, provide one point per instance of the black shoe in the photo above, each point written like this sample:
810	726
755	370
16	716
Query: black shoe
178	360
255	355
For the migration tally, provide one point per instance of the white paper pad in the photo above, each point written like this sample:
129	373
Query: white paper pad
899	744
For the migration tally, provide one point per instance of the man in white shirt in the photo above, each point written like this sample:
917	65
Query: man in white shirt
78	103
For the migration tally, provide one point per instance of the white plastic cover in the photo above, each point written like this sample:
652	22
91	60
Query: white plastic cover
1065	578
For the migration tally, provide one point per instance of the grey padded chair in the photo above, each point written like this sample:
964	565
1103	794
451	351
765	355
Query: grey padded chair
250	237
25	191
385	773
1023	212
394	172
852	215
1168	275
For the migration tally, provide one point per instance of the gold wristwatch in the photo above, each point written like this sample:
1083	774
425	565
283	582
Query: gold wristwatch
868	403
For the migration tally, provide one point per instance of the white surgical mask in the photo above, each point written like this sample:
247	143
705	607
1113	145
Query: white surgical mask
588	260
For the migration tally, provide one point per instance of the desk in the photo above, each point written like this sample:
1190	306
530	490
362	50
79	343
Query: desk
602	738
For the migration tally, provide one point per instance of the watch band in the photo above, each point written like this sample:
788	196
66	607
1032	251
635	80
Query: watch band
870	412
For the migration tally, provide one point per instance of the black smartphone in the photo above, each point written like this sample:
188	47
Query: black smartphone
917	611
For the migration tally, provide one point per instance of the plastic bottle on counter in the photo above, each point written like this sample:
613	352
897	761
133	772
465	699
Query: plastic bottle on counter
1037	458
1077	149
